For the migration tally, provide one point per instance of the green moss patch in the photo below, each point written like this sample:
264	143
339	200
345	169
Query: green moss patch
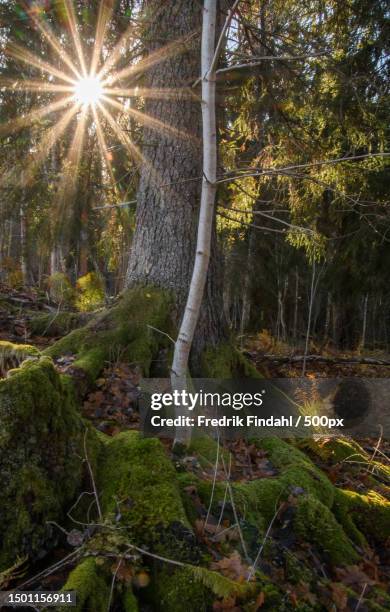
91	586
138	472
124	330
41	441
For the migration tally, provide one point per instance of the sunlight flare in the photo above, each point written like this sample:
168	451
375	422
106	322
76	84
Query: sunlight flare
88	90
82	83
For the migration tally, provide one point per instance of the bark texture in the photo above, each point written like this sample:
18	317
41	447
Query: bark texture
164	243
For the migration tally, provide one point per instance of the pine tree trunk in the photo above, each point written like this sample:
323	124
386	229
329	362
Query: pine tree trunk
164	245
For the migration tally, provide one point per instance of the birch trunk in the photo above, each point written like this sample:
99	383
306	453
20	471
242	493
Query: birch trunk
206	214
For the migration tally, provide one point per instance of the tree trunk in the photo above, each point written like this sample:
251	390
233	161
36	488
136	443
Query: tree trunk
169	196
364	325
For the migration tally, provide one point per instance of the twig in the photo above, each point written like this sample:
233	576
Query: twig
221	39
243	545
226	491
361	597
114	578
253	568
158	557
92	477
120	205
376	449
50	570
213	487
161	332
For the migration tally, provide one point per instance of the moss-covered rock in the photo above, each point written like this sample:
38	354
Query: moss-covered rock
91	586
41	441
124	330
315	523
12	355
137	472
225	361
57	323
363	514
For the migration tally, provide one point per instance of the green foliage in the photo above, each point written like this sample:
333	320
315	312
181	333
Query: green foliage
90	292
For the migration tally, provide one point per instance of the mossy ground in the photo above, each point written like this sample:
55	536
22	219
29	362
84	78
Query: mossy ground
143	499
40	446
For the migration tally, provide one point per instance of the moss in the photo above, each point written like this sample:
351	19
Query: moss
315	523
41	441
91	586
206	449
12	355
56	324
121	331
195	588
369	514
179	591
297	470
129	601
138	472
225	361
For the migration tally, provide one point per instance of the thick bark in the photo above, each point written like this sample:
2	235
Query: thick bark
164	243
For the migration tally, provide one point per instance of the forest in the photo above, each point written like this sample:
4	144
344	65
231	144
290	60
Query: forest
193	190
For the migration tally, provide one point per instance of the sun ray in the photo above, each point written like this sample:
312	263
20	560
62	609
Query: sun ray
162	54
104	16
122	136
72	22
113	57
130	146
33	85
13	125
150	121
47	142
69	178
103	146
163	93
52	40
23	55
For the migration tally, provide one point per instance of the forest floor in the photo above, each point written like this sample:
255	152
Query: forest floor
112	406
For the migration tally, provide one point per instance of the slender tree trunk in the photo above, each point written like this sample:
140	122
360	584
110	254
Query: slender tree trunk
296	306
23	243
164	242
364	325
328	310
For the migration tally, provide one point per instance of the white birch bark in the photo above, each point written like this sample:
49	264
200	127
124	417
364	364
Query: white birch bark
206	213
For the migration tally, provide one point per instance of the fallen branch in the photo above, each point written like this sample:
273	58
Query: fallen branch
318	358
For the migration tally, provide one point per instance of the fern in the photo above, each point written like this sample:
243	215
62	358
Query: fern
11	573
220	585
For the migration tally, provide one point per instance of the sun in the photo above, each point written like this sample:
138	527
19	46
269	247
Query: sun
84	91
88	90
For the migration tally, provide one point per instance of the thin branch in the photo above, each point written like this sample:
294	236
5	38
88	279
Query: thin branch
253	568
263	214
259	227
120	205
214	483
243	545
270	171
221	39
92	477
259	62
161	332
